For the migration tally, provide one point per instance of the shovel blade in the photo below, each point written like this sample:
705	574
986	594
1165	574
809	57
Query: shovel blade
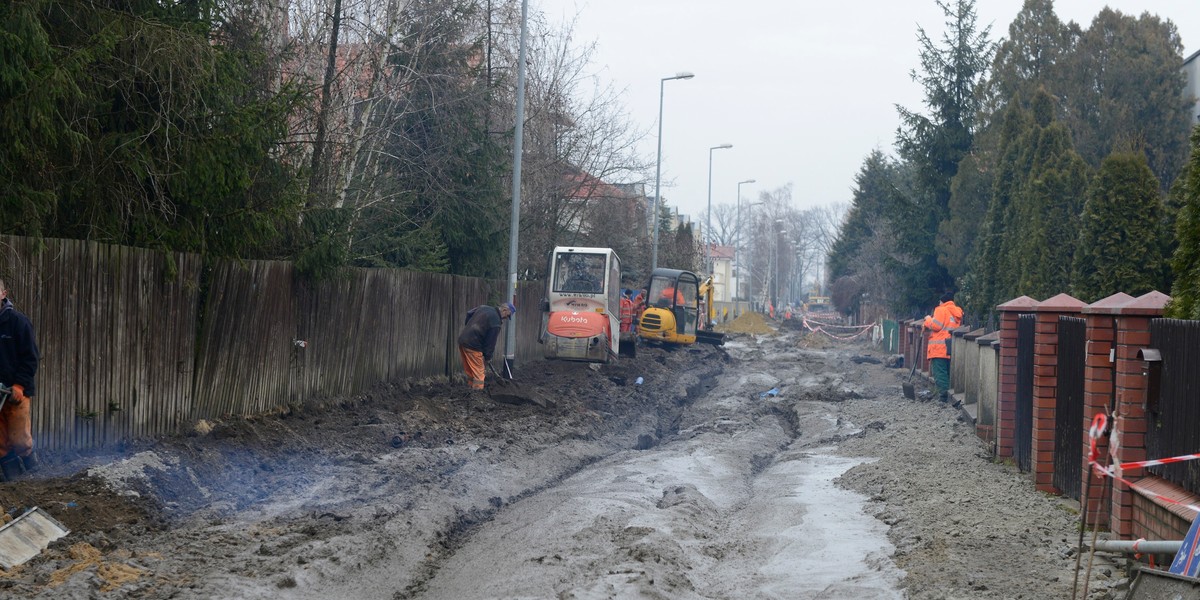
909	391
27	535
507	391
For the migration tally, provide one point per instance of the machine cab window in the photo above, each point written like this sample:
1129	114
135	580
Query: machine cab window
580	273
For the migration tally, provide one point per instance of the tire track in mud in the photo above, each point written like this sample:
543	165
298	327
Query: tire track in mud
669	409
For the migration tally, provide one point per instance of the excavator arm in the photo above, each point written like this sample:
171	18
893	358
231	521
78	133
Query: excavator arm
708	336
706	292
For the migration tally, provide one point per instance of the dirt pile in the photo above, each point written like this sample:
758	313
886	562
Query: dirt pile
749	323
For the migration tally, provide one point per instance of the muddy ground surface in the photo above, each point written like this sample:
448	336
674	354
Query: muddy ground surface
697	483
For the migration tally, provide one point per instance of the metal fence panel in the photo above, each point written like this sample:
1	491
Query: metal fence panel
1023	428
1068	412
1173	415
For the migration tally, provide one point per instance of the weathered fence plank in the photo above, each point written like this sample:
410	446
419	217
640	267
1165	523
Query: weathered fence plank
138	343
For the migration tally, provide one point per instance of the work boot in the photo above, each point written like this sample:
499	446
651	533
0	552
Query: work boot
944	397
12	467
31	462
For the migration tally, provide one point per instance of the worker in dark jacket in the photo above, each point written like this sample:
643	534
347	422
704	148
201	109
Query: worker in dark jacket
18	367
477	342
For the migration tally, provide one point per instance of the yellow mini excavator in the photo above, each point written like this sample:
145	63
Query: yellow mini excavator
673	314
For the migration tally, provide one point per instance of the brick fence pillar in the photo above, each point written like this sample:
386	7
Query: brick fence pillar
1006	395
1099	396
1128	440
1045	386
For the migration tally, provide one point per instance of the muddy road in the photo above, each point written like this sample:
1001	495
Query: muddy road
778	466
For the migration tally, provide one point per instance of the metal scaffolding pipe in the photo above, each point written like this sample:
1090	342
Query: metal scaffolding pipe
1140	546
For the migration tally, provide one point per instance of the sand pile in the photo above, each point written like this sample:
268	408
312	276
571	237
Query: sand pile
749	322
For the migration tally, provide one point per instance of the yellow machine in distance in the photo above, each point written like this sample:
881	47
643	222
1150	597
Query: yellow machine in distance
672	314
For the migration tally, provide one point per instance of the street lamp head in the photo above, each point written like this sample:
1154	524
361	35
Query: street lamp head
662	84
721	147
746	181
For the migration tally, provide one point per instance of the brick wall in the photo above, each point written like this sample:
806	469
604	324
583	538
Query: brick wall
1115	383
1045	386
1128	438
1006	396
1099	387
1155	519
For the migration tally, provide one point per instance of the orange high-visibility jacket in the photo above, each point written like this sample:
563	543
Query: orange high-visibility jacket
946	316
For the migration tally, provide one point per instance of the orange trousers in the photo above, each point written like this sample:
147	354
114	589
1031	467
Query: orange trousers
472	366
16	432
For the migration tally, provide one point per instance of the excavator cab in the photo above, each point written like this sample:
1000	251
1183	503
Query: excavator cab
672	307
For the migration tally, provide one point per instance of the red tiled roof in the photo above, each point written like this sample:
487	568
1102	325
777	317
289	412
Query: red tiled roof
587	187
722	252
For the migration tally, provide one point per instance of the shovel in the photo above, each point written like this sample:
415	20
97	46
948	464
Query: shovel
909	391
507	391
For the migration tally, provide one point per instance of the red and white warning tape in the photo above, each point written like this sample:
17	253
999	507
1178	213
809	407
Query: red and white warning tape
820	328
1099	424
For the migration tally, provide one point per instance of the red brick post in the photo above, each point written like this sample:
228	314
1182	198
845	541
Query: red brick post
1045	386
1099	386
1129	422
1006	396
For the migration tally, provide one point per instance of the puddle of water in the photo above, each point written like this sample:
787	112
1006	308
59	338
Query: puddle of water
834	550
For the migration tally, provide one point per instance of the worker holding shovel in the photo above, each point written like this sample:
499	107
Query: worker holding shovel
946	317
18	366
477	342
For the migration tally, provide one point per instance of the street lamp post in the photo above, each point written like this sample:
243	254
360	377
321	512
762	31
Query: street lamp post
658	163
510	332
708	220
737	282
750	252
775	275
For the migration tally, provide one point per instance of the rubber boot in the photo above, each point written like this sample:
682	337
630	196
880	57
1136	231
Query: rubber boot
31	462
944	397
12	467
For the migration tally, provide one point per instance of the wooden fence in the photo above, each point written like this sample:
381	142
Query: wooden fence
137	343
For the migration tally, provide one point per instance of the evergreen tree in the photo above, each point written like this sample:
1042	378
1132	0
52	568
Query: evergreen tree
991	276
1047	210
142	123
1122	88
934	145
873	193
1027	240
442	206
1031	56
970	195
1119	242
1185	293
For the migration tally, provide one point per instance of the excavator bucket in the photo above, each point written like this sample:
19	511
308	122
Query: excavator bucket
710	337
627	346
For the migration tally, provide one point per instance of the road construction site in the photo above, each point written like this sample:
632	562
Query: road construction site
780	465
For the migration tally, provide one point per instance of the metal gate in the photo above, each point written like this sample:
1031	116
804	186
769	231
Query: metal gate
1173	411
1068	411
1023	428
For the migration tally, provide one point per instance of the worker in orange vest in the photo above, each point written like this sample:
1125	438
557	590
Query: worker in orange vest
669	293
626	311
946	317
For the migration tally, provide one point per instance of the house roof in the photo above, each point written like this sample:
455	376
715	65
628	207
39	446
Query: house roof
721	252
584	186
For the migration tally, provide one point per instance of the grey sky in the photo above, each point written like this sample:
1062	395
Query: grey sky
802	89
